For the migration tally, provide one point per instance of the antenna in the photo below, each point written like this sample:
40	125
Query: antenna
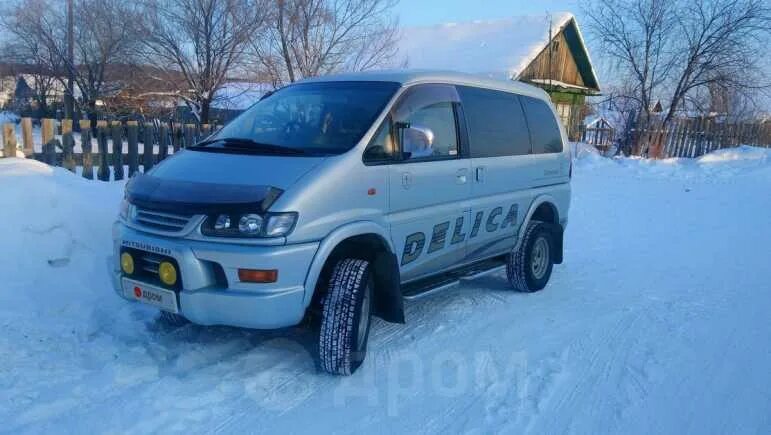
551	49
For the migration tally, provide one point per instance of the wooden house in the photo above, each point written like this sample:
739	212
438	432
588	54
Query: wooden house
547	51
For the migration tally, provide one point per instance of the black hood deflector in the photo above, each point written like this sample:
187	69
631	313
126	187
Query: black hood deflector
192	197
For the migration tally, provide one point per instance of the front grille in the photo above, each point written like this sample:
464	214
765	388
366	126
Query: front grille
149	262
161	221
146	267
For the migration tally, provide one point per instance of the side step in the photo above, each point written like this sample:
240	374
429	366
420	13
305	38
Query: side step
428	286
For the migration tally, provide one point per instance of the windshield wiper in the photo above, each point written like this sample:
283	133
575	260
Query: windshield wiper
236	144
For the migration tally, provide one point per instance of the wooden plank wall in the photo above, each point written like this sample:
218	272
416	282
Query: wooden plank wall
563	66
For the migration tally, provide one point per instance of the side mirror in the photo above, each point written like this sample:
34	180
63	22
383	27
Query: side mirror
417	141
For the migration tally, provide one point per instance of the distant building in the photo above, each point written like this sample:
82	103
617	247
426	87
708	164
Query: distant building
547	51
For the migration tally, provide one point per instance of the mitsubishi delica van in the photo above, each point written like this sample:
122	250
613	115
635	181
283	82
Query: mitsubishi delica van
337	198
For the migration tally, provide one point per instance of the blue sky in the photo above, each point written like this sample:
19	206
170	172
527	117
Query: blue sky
422	12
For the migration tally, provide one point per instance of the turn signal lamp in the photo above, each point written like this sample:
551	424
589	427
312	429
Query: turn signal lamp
258	276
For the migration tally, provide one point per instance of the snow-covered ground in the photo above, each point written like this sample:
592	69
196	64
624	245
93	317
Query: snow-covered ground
657	322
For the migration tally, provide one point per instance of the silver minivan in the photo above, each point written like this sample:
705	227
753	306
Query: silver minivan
337	198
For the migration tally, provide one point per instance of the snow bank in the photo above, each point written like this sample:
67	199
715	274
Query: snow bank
55	299
726	163
656	322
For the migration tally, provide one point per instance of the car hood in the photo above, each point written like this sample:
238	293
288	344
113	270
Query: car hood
204	182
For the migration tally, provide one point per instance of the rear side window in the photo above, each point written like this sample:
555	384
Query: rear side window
544	131
496	123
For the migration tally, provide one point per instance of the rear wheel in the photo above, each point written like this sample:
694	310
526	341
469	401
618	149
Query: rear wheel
345	320
529	267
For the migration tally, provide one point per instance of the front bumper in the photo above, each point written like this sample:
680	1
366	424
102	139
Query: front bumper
209	298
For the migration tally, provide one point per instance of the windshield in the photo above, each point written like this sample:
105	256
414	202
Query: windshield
314	118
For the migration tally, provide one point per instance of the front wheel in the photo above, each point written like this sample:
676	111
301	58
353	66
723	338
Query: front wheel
529	267
346	317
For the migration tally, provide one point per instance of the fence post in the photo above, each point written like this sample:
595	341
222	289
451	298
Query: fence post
103	173
49	144
671	139
682	140
117	150
9	140
176	136
189	135
26	137
755	138
163	141
132	137
68	146
709	137
86	148
148	147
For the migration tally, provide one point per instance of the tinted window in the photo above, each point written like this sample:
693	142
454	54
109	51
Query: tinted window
496	124
324	118
425	118
544	131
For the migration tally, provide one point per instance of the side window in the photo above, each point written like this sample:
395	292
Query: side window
544	131
496	123
425	122
381	148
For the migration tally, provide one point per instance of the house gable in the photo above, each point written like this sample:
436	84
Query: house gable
564	63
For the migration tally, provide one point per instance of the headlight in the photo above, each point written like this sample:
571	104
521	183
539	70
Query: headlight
126	210
249	225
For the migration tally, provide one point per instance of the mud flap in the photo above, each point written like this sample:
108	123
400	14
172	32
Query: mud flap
558	232
389	304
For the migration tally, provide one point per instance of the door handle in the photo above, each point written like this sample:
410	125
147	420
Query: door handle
461	176
406	180
480	174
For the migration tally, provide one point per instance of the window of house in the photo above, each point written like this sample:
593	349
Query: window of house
564	110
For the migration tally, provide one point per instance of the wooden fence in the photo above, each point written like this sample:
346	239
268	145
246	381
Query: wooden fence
112	148
601	137
695	137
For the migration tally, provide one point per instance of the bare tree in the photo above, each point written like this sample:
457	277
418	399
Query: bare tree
196	45
672	50
633	36
102	39
313	37
719	44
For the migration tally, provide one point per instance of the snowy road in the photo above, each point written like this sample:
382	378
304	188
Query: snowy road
657	322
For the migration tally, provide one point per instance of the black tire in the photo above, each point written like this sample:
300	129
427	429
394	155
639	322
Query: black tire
173	319
529	268
346	309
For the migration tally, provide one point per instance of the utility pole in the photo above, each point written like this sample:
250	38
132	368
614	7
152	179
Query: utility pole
69	95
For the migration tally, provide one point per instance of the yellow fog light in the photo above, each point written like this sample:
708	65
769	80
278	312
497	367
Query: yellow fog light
127	263
167	272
